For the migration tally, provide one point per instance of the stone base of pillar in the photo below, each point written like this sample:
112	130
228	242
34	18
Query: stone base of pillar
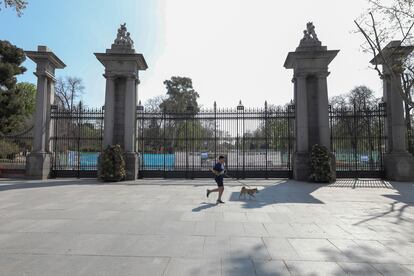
131	165
38	165
301	168
399	166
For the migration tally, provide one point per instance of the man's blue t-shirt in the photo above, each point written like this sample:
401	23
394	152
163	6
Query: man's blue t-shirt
219	168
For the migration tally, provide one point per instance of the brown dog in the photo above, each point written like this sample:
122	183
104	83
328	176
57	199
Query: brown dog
250	192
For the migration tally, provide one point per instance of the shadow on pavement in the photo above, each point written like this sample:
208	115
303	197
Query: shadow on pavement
360	183
288	191
401	202
203	206
12	184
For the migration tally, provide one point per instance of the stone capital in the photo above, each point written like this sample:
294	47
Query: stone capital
322	74
132	76
45	73
299	75
109	76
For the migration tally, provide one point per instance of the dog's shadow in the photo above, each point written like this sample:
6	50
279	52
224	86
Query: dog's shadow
204	206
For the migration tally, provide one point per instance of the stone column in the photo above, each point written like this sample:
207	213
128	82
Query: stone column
324	131
130	126
301	105
109	110
38	163
398	162
310	65
122	65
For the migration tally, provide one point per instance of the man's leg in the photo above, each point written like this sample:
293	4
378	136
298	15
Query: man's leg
212	191
220	191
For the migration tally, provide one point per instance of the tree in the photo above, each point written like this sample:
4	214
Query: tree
384	22
11	58
180	95
356	124
153	104
18	5
68	92
16	107
359	98
17	101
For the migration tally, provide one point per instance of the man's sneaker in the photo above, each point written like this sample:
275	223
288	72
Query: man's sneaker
208	192
219	201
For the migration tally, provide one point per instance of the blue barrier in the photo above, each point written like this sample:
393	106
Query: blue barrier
89	160
156	161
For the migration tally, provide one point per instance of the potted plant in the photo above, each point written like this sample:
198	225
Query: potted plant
321	165
111	165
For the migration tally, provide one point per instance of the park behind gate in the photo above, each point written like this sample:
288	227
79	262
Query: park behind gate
257	142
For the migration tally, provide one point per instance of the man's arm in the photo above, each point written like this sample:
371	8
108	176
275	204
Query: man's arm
217	173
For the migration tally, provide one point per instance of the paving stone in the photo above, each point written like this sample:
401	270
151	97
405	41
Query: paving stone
205	228
216	247
392	270
310	268
248	247
190	267
280	249
271	268
316	249
239	266
255	229
359	269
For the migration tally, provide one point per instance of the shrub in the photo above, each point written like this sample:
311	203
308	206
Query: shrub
321	168
112	164
8	150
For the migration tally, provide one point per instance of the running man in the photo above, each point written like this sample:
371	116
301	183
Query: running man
218	170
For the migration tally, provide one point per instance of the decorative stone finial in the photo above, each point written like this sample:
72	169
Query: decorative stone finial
309	36
123	38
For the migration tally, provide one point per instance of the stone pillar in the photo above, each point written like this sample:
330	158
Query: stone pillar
109	110
38	163
398	162
122	65
310	66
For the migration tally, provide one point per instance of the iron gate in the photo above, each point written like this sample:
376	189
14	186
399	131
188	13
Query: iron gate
14	149
256	142
76	141
358	140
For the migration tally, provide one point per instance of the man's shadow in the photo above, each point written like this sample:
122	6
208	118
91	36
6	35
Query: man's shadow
204	206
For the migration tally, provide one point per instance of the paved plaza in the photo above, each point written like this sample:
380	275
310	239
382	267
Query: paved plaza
168	227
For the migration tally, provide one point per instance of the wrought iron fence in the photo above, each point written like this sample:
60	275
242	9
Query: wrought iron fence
257	142
410	133
14	149
358	140
76	140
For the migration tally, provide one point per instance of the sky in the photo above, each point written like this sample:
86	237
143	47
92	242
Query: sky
232	49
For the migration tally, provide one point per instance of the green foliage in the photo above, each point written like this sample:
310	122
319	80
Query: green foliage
180	95
112	164
321	169
8	149
11	58
17	101
16	107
